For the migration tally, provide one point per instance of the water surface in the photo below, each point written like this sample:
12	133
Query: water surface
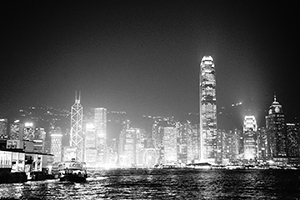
165	184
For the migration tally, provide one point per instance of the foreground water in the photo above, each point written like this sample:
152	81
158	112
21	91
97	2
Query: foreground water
165	184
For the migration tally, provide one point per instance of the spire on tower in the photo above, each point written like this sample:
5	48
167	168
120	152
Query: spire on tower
275	98
77	96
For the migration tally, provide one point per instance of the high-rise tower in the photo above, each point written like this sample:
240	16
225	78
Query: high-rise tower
276	131
76	136
208	110
56	144
250	137
100	122
90	150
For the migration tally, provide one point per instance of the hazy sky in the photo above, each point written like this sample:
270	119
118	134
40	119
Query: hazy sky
143	56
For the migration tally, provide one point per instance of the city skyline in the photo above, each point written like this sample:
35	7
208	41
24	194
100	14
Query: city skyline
173	100
145	60
230	118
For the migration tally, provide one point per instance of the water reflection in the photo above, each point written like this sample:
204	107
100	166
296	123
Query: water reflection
166	184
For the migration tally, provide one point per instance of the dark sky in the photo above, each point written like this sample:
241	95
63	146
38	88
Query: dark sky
143	56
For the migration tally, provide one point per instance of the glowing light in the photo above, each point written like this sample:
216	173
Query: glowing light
28	124
56	135
90	126
49	168
271	162
207	58
109	166
204	167
249	154
250	123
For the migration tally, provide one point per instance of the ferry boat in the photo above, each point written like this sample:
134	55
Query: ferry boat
70	171
200	165
234	167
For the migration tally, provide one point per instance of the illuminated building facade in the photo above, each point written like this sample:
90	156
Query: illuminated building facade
293	140
3	129
56	144
127	147
182	136
229	145
112	152
90	153
76	134
39	139
276	133
140	146
150	157
158	134
170	145
16	130
100	122
192	142
235	144
262	143
28	132
131	147
250	136
48	117
208	110
157	139
69	153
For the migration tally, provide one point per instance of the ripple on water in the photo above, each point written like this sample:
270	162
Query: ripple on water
166	184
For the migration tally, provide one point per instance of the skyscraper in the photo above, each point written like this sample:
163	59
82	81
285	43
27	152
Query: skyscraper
3	129
56	144
100	122
76	137
230	143
90	146
276	133
170	145
293	139
250	136
262	143
127	147
182	149
208	110
192	142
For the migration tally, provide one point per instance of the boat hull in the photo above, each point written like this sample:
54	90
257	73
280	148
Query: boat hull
73	178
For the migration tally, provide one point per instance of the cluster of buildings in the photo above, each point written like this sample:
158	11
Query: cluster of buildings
168	141
103	138
276	143
22	148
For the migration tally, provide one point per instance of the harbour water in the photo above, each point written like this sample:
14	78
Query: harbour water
165	184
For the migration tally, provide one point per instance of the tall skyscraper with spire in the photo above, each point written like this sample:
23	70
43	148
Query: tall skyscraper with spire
208	110
76	135
276	131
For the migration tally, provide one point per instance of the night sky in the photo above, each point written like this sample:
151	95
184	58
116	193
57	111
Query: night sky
143	56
